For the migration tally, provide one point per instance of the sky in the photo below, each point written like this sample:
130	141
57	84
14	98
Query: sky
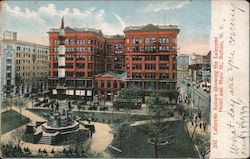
33	19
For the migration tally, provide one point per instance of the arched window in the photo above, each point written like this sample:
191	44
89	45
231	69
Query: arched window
66	41
71	41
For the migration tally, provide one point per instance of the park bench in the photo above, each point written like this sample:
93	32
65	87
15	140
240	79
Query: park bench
114	148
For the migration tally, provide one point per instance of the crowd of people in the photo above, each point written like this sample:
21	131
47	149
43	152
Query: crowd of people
9	150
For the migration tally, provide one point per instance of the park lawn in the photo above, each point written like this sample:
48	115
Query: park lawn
136	145
10	122
103	117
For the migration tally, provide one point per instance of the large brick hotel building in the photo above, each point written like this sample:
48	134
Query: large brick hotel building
100	65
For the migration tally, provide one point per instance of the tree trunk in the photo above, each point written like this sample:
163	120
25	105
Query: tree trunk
156	150
193	132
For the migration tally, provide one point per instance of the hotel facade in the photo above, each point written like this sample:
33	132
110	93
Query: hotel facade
24	66
100	65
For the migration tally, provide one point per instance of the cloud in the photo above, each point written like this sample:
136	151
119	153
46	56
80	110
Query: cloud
157	6
27	22
123	25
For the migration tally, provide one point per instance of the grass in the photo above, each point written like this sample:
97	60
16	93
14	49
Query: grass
103	117
10	120
136	145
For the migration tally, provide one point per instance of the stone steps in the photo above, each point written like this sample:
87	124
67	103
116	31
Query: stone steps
45	140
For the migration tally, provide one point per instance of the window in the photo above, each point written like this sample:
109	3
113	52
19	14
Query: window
89	49
164	58
90	74
127	48
147	40
174	66
71	41
136	75
163	40
109	84
136	58
90	66
80	41
167	48
89	57
79	83
173	40
69	65
102	84
153	40
80	65
174	75
89	83
137	48
90	41
167	40
173	48
80	57
115	84
150	66
164	66
136	41
150	58
8	75
56	42
66	41
55	49
136	66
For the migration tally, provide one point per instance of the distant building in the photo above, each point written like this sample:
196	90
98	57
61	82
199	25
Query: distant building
24	66
206	68
182	65
96	63
199	67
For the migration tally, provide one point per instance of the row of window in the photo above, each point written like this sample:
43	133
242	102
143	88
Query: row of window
115	84
77	41
153	66
18	48
152	40
151	48
134	58
18	54
138	75
151	58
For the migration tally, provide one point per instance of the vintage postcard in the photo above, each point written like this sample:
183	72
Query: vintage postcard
124	79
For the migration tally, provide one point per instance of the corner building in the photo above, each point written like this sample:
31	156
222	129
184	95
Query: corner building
151	58
101	65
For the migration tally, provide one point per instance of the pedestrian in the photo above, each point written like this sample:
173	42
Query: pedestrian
91	133
52	151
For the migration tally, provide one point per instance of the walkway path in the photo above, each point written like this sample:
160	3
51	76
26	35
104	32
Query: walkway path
101	139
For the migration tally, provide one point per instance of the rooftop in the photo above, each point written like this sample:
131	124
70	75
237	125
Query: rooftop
151	27
77	30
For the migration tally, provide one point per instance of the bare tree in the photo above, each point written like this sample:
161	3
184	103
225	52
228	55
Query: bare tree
157	129
194	117
79	143
21	104
17	135
203	143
